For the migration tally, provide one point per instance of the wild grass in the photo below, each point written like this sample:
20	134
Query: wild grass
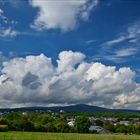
62	136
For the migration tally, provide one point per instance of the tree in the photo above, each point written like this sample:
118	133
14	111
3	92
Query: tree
110	127
45	118
26	125
50	127
99	122
39	127
137	129
82	124
61	126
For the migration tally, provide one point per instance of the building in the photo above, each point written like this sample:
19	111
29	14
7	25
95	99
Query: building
99	129
71	123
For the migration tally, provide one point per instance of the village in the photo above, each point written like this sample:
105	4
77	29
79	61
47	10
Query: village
97	123
90	123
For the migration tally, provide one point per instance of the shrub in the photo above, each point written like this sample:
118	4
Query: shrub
3	128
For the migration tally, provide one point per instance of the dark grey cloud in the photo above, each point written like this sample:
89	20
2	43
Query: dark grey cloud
31	81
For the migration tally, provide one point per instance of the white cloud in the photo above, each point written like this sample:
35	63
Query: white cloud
68	59
63	15
89	42
99	71
1	12
131	35
3	79
119	55
8	32
126	52
6	26
126	44
115	41
134	31
34	80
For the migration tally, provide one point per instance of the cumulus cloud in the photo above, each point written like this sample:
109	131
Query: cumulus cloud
63	15
67	60
34	80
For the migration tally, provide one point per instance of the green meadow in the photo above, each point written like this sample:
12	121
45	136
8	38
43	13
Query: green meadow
62	136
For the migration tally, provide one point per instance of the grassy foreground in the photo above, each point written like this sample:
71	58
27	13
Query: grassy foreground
62	136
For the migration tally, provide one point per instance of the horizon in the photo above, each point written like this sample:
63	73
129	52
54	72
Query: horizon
71	105
70	52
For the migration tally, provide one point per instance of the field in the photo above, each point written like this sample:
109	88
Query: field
62	136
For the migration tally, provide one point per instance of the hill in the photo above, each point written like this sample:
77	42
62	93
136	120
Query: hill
72	108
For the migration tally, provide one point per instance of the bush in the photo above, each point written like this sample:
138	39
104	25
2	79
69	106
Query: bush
3	128
39	127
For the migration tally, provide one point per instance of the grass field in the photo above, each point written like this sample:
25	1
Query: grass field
62	136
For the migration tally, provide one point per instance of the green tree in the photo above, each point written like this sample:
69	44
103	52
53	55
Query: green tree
82	124
110	127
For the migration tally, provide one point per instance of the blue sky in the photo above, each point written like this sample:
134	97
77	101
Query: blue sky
105	31
107	22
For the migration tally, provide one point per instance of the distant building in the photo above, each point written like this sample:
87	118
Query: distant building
93	119
71	123
124	122
111	119
98	129
24	113
62	111
1	113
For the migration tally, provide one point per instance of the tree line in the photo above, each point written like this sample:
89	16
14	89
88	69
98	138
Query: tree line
51	122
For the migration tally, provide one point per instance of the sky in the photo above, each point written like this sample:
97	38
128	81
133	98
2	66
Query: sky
64	52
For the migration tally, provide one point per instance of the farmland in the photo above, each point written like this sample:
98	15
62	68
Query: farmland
62	136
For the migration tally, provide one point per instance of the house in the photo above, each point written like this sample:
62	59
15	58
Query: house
1	113
111	120
24	113
93	119
62	111
125	122
98	129
71	123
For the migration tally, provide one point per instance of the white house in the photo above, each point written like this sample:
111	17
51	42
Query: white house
71	123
